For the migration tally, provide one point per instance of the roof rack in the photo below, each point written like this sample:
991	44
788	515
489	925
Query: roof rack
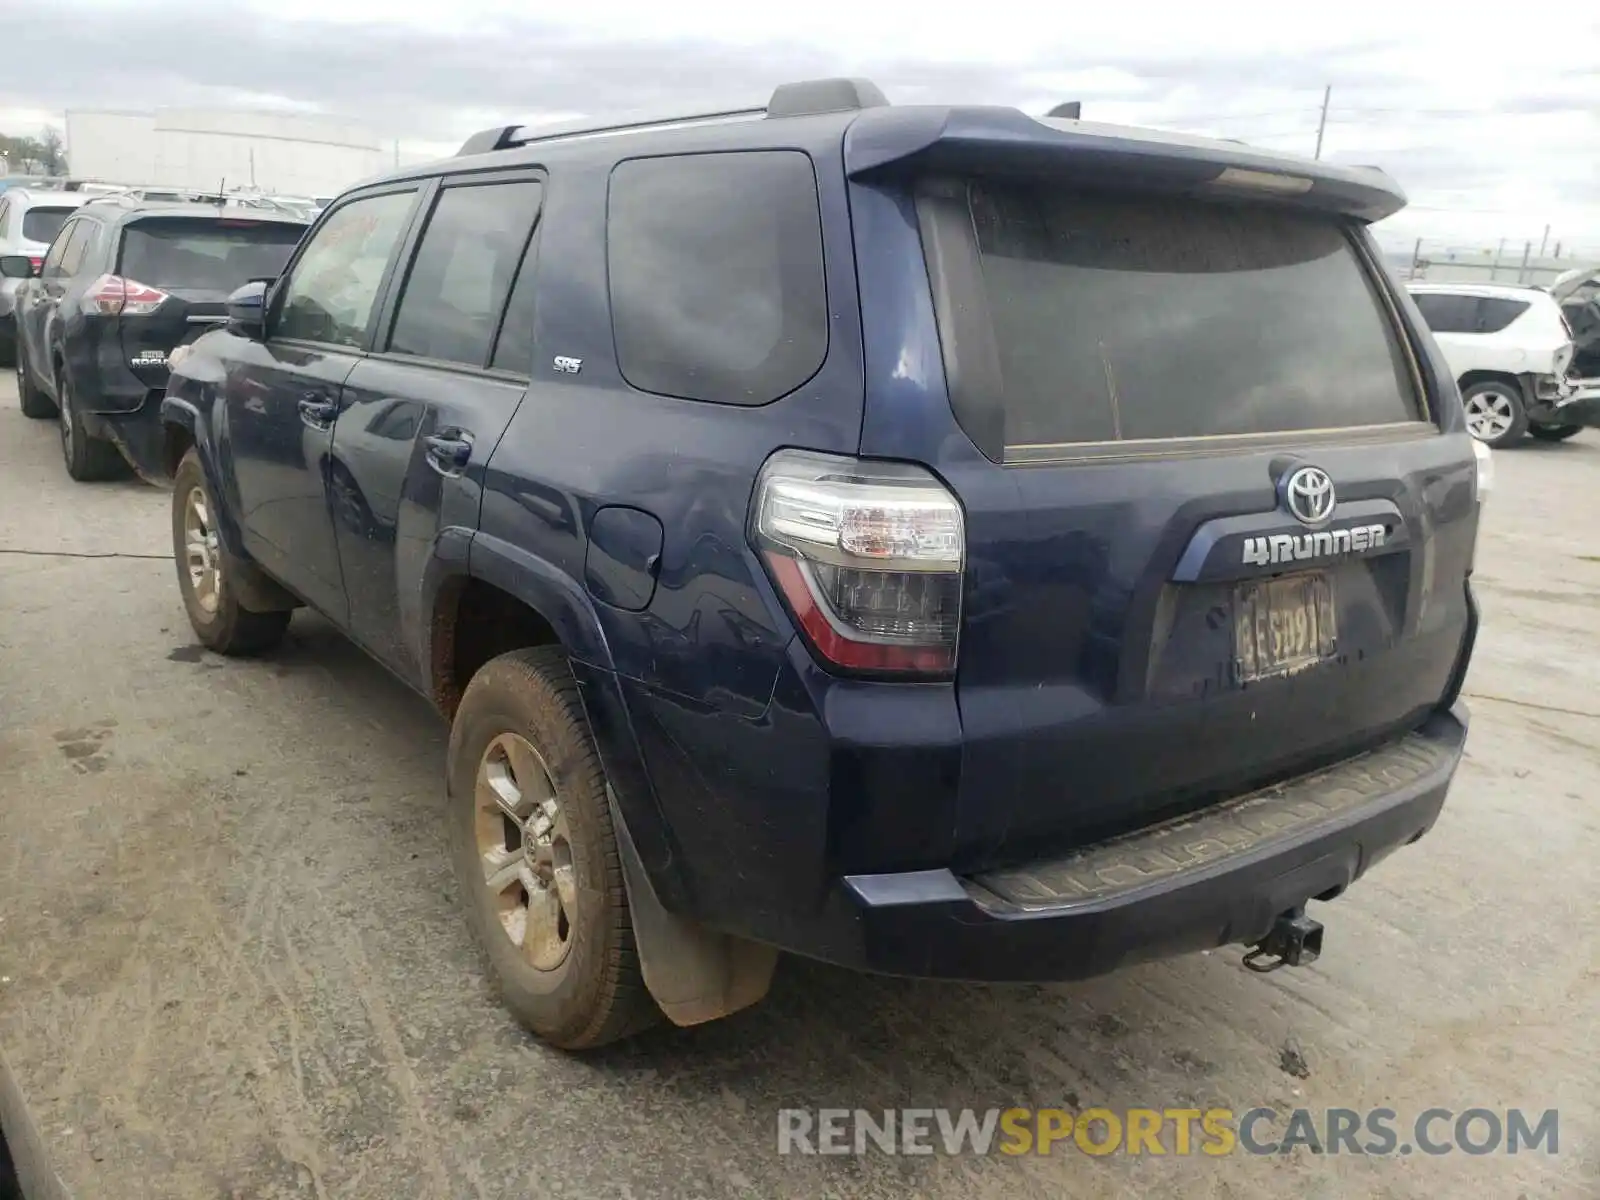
806	98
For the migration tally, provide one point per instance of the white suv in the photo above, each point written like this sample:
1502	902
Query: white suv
1510	350
29	219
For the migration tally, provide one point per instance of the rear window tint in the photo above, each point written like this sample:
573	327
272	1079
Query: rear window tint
1120	318
205	255
715	264
1497	312
42	224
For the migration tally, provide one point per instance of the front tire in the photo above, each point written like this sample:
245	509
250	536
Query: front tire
205	569
35	404
536	858
1554	433
1495	414
87	458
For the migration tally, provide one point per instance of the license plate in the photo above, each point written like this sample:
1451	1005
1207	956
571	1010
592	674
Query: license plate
1282	625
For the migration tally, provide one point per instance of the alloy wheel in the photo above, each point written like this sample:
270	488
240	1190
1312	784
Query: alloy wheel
525	851
201	551
1490	414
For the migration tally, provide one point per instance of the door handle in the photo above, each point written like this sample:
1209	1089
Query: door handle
318	412
448	451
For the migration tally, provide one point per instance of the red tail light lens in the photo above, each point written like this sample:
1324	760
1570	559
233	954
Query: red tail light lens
111	294
868	556
38	262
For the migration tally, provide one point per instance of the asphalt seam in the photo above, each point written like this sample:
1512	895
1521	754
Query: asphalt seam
86	554
1550	708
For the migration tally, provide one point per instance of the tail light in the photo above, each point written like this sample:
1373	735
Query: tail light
868	556
112	294
38	262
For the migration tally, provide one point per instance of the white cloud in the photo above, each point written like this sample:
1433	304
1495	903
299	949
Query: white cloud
1490	123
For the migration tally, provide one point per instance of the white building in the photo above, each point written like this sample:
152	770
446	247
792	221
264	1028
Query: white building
205	149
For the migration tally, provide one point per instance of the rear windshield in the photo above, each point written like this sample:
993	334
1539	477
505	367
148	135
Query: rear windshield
42	224
206	255
1119	318
1452	312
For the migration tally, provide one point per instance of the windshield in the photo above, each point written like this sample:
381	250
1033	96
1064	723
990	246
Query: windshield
42	224
206	255
1120	318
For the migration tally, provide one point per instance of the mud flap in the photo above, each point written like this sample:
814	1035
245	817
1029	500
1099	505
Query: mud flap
694	974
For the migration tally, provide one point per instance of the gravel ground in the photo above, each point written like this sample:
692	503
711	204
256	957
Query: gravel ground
232	965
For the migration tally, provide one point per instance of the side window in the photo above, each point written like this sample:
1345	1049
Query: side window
715	265
463	270
513	349
58	249
332	288
84	240
1446	313
1496	312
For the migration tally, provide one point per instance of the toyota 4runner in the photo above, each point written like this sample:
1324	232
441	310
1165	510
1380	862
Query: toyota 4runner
936	540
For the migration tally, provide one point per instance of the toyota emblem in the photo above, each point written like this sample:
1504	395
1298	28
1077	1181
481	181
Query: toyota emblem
1308	495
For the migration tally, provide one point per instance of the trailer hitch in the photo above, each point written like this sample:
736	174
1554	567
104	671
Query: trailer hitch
1295	940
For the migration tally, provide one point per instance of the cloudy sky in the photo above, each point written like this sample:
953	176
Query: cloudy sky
1491	122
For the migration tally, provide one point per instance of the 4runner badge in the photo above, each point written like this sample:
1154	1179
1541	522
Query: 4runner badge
1287	547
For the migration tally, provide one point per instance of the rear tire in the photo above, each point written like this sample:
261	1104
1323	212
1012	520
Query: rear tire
536	857
35	403
88	458
1495	414
205	569
1554	433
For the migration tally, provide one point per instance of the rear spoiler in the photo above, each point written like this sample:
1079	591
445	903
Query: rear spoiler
1008	142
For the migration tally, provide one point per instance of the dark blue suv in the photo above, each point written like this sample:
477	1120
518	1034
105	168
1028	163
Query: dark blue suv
941	541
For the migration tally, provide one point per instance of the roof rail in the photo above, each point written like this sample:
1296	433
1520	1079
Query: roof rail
806	98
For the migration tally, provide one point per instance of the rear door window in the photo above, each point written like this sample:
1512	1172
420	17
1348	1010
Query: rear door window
43	223
1448	312
463	270
1118	318
205	255
715	265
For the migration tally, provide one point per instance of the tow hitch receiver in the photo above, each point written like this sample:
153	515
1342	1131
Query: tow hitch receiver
1295	941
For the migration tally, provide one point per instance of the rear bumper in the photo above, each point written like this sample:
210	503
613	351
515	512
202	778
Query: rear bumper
137	434
1579	405
1215	878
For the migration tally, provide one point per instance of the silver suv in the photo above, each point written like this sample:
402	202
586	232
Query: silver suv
30	218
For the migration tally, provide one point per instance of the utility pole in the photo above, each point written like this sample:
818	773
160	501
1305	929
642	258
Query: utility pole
1322	124
1544	241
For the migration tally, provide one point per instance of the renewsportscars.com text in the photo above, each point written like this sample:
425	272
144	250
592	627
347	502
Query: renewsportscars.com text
1212	1132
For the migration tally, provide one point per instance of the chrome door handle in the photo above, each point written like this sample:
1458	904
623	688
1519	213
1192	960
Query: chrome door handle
449	451
318	412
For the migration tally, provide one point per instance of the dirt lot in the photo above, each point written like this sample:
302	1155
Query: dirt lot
231	962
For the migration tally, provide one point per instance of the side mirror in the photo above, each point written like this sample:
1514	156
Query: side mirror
17	266
247	310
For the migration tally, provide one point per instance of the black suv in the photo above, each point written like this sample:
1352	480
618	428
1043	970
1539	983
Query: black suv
937	540
125	282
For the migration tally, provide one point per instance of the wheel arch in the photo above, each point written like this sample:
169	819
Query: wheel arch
183	428
1472	378
475	583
